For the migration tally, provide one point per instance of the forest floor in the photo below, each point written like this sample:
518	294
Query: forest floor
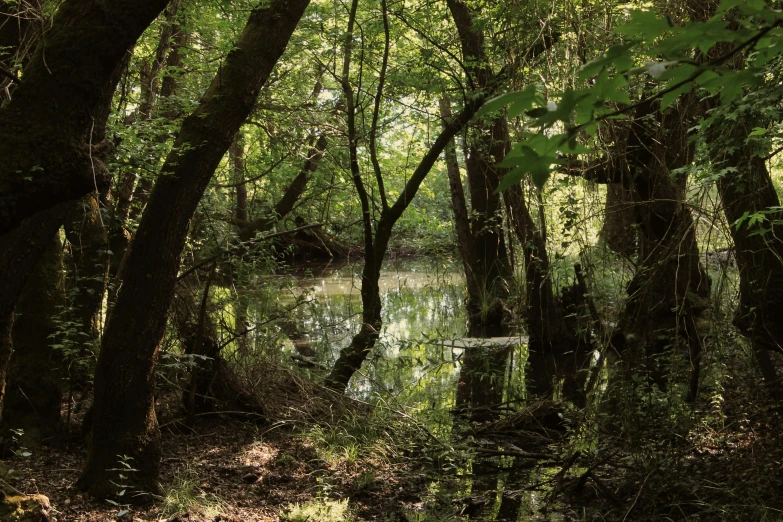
720	460
227	469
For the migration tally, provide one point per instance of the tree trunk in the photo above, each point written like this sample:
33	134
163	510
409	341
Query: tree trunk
459	207
618	229
352	357
237	160
376	244
746	188
89	242
124	420
132	196
669	295
491	267
46	129
485	146
34	391
549	338
51	134
20	251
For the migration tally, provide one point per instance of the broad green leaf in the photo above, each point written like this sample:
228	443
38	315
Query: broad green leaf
540	175
526	161
726	5
572	146
524	101
610	87
567	104
497	103
512	178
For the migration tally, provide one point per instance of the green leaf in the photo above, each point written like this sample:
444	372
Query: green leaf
611	88
513	177
540	176
617	55
518	101
524	101
496	103
726	5
572	146
758	131
644	23
671	96
568	102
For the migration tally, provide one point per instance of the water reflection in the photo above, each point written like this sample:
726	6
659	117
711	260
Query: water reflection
417	363
421	302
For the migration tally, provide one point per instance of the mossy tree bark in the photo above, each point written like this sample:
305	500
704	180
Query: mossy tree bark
46	129
490	269
88	237
618	229
669	296
486	145
34	390
746	187
56	113
124	421
20	251
132	189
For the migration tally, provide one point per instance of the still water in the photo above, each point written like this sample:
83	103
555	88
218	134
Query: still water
415	366
422	303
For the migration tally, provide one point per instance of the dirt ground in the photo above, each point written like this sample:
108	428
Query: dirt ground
224	469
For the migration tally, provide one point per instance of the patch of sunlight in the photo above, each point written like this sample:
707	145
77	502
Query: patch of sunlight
319	511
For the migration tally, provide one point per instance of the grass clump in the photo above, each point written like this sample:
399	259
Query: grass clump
319	511
185	496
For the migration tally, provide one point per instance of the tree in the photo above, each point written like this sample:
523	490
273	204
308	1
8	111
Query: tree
669	279
378	234
47	127
124	421
50	134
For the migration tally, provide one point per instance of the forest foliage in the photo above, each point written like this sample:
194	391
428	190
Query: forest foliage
598	181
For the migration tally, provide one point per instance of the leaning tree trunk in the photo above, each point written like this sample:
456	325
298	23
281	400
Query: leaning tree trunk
34	391
46	129
124	421
57	112
132	190
472	390
555	350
